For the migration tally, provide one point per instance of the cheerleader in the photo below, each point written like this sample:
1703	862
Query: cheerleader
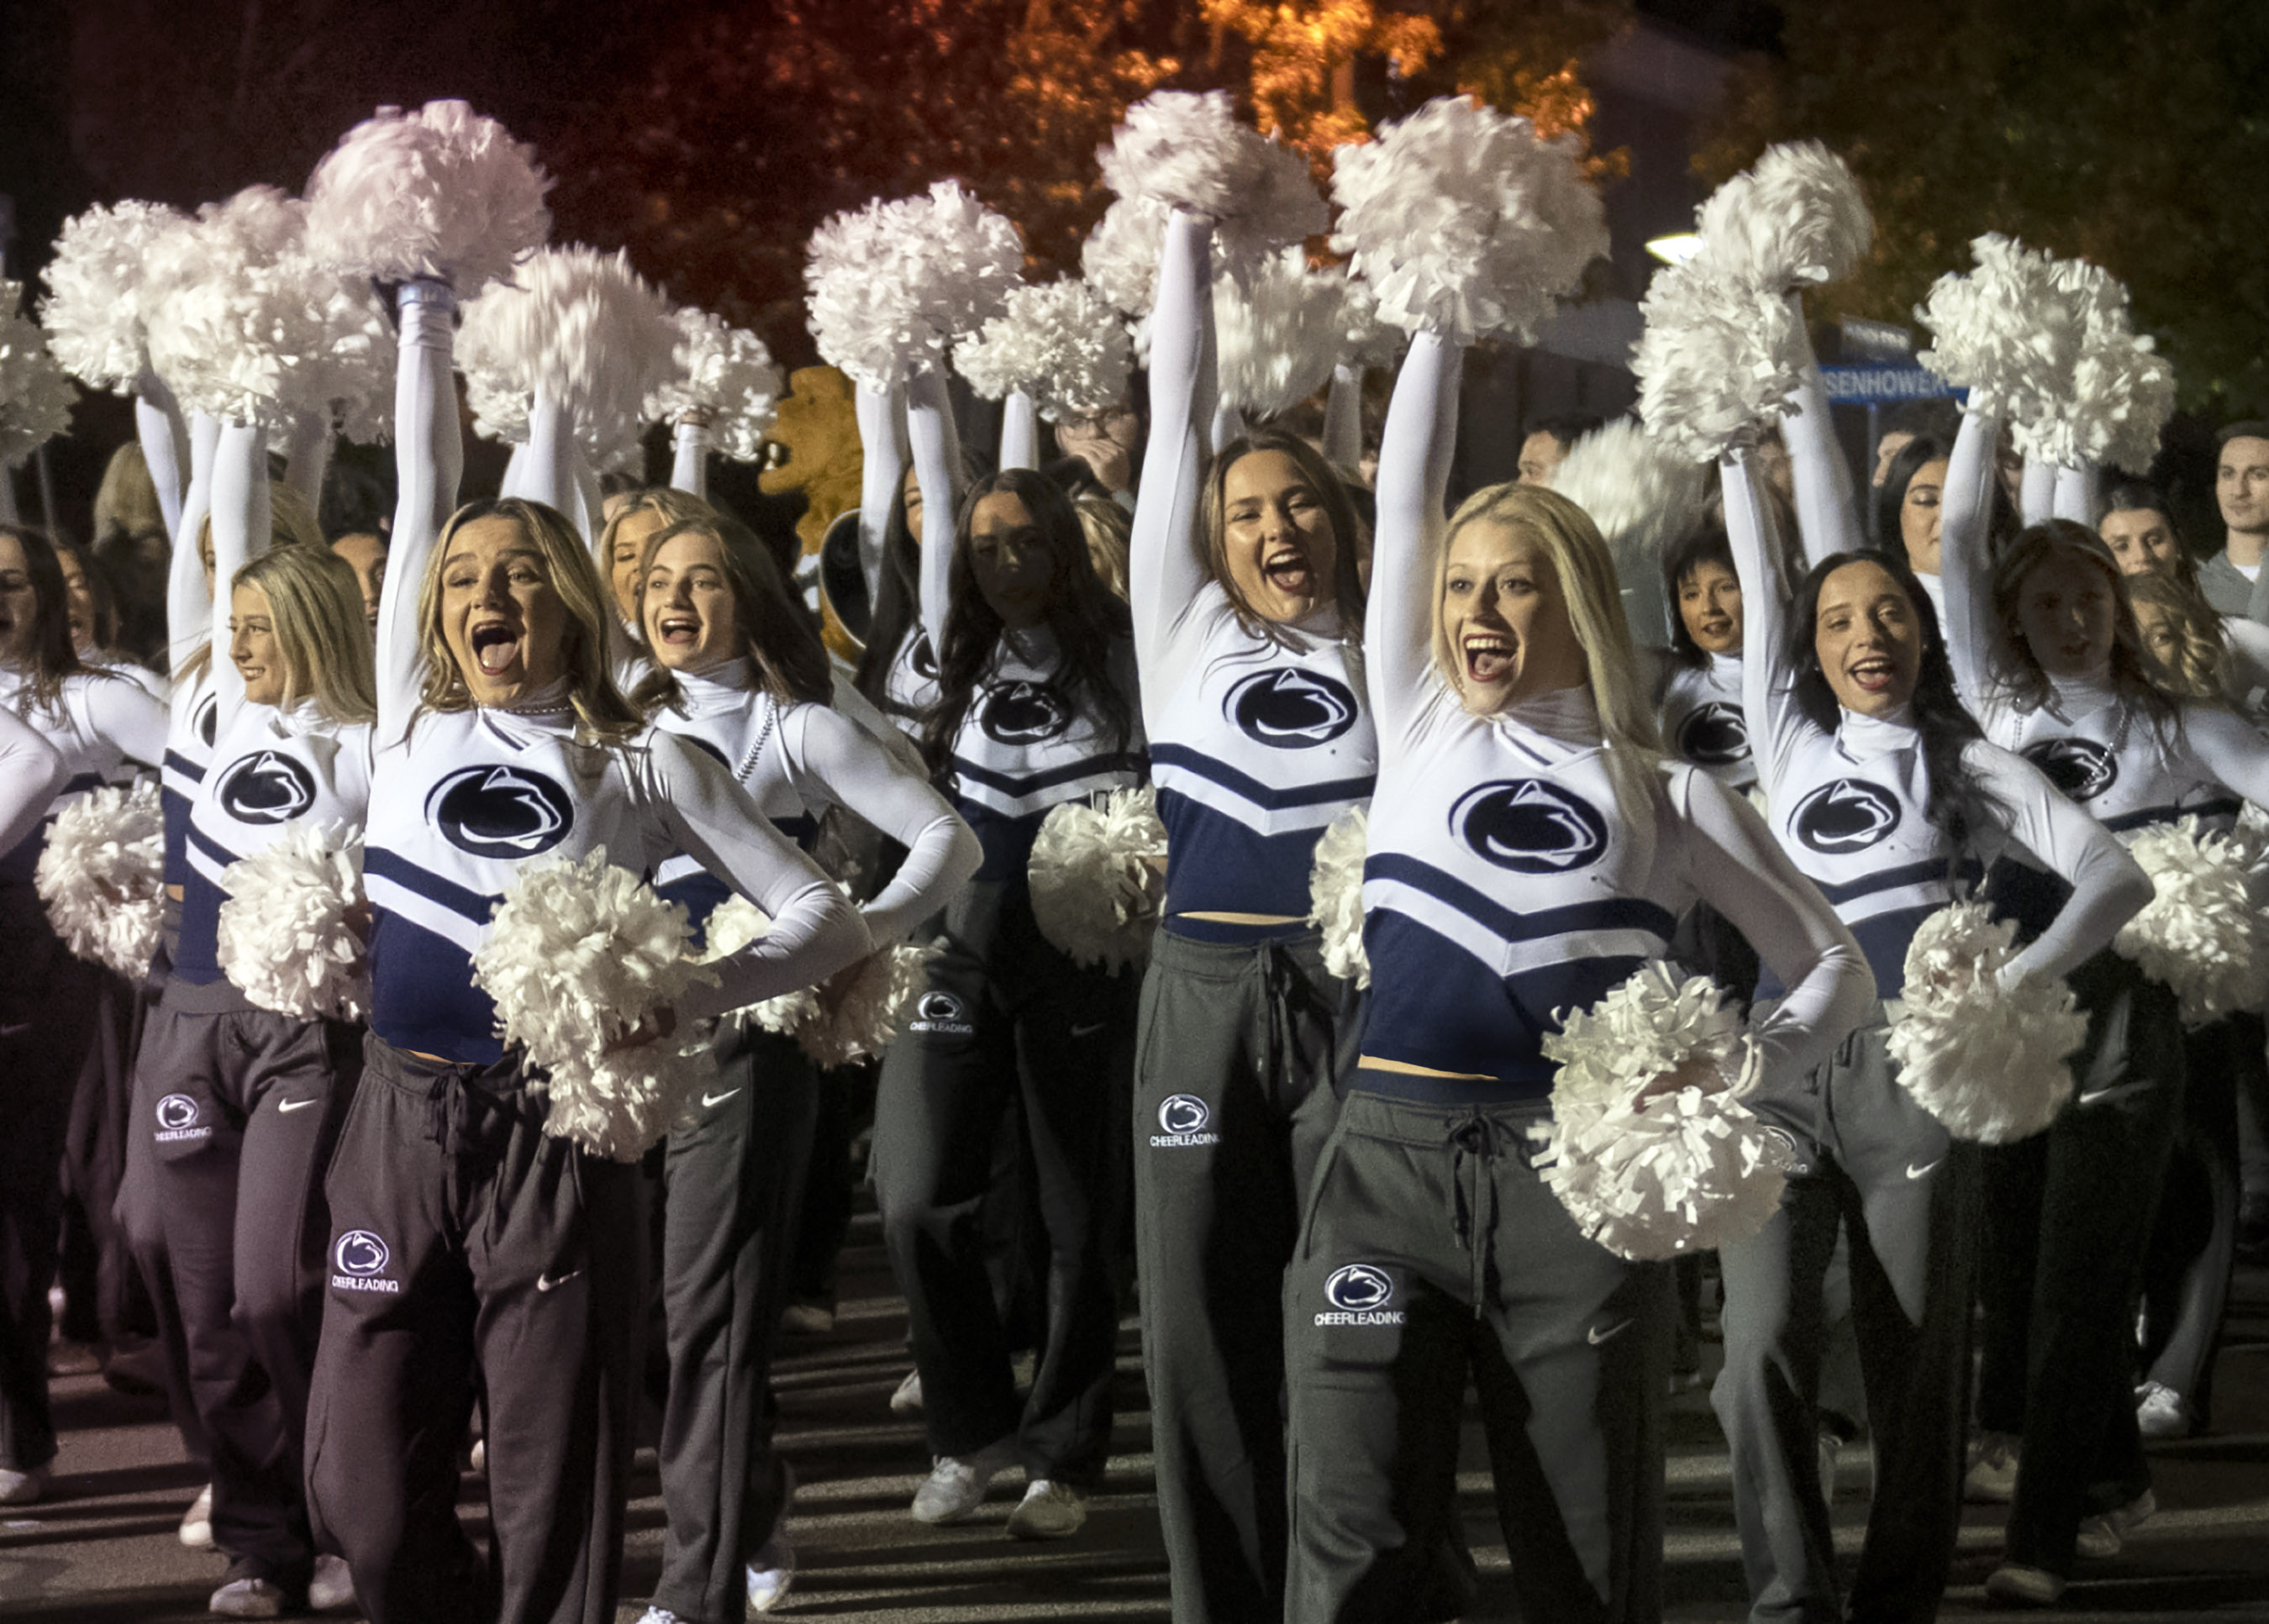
1528	852
2045	642
1035	709
1245	604
96	722
743	676
898	668
2143	539
470	1250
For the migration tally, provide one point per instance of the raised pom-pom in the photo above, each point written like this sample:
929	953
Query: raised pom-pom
1715	363
2122	390
35	397
1990	1065
2204	933
1335	895
2009	331
355	373
1096	878
723	377
1794	220
1652	1171
93	309
1280	334
1121	256
1184	150
1465	223
288	934
102	877
579	954
1643	498
234	328
1060	342
441	193
893	282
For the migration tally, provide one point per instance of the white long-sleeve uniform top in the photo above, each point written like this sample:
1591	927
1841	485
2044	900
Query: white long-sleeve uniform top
32	775
1699	709
98	723
1507	883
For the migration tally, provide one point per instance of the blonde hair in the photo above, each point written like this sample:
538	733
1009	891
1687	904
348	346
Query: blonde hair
606	716
126	504
676	507
315	606
1110	533
1585	571
291	523
2198	670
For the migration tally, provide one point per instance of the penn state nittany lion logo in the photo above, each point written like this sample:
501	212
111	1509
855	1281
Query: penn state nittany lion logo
1849	815
1530	826
1359	1288
362	1253
507	812
1023	712
208	719
1183	1113
2081	768
1713	736
177	1111
1290	709
265	787
924	658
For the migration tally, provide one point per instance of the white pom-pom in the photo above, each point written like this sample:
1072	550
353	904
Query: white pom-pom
1642	498
235	326
35	397
862	1019
1367	342
1465	223
2010	331
893	282
1280	334
287	936
2121	391
1060	343
1335	895
101	876
723	377
1990	1065
1096	881
1121	256
354	381
440	193
585	329
1715	363
2204	933
579	954
93	308
1682	1170
1794	219
1180	149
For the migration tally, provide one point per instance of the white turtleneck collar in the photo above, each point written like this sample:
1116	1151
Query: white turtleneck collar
2075	697
546	704
727	683
1878	735
1571	715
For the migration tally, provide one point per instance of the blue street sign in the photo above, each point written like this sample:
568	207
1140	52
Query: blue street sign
1869	385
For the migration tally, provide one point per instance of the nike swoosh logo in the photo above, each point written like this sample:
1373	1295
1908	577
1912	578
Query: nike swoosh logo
1924	1170
2096	1096
296	1105
707	1100
547	1282
1087	1031
1596	1336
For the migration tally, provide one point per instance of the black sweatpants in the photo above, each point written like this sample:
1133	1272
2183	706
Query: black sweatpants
47	1011
1431	1246
732	1181
473	1253
2069	1213
1004	1014
103	1300
1876	1165
243	1107
1233	1101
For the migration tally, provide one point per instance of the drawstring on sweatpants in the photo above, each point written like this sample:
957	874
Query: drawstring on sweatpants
1473	1152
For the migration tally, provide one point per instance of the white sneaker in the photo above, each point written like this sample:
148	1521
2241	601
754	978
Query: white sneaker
907	1399
2103	1537
479	1456
807	1319
1048	1511
2160	1411
332	1587
247	1599
956	1487
1992	1478
197	1522
772	1570
20	1489
2024	1587
659	1615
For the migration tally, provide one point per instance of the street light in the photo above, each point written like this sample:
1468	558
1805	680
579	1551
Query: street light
1675	249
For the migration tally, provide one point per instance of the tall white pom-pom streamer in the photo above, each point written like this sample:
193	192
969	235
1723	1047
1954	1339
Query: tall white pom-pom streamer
2010	330
1642	498
1182	150
288	936
2204	933
1059	342
234	324
863	1018
2121	392
1990	1065
1335	895
1368	341
1465	223
1715	362
579	953
723	377
893	282
1096	881
1280	333
1794	220
583	327
440	193
35	397
354	381
101	876
1682	1170
93	309
1121	256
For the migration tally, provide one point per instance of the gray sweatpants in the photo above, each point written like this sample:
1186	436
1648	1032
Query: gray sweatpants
1907	1196
1431	1247
1233	1101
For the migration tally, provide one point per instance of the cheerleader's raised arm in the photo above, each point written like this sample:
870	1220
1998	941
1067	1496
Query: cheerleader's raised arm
429	461
1414	479
937	453
1827	514
882	465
